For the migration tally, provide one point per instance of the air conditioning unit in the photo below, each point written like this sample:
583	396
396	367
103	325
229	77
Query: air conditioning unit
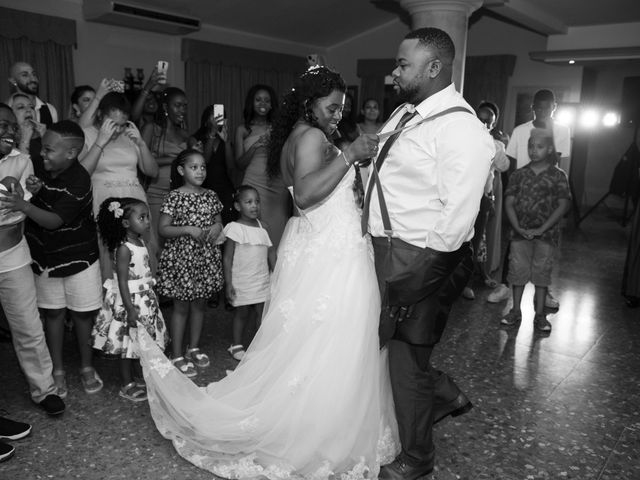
136	16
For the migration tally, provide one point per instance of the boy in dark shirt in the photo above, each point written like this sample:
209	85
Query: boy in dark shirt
62	238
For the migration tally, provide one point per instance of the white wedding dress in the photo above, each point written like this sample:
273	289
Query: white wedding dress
311	398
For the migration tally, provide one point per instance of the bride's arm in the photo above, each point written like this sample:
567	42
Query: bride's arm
316	172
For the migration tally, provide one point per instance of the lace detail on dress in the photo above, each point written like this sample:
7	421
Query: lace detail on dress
249	424
320	309
387	448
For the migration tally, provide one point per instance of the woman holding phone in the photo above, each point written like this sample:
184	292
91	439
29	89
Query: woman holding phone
252	139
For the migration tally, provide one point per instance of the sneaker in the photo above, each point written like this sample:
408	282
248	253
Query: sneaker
551	302
185	367
199	359
6	451
236	351
541	323
10	430
53	405
500	294
468	293
512	318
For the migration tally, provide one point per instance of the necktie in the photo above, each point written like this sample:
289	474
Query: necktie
383	154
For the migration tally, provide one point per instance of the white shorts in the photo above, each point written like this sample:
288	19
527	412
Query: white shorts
81	292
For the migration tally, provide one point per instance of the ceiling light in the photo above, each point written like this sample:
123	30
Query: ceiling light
571	62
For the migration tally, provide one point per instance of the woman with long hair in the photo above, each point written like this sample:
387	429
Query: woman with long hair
311	396
166	137
252	140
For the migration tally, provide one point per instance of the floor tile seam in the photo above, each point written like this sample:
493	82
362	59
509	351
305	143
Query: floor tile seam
613	451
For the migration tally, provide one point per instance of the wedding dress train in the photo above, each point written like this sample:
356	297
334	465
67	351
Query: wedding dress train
311	398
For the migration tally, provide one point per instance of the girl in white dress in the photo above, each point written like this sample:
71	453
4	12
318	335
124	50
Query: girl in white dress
248	258
311	398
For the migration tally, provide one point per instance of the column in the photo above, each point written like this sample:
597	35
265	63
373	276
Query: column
452	16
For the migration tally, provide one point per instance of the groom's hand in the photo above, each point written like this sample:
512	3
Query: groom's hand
400	313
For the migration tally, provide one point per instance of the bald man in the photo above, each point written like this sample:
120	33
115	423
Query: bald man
23	78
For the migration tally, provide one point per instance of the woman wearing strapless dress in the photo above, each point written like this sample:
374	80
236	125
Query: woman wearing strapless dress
311	398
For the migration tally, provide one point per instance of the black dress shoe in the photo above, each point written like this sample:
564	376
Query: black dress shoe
455	408
53	405
399	470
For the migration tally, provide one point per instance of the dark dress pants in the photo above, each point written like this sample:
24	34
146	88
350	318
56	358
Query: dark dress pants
416	385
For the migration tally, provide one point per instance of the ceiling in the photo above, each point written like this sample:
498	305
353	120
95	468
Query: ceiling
324	23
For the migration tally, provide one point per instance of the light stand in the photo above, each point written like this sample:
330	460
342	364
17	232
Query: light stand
624	181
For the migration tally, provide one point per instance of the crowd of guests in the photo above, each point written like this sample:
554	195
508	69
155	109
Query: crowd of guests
122	206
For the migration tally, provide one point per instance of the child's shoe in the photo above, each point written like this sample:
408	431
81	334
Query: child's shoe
60	382
468	293
199	359
185	367
541	323
514	317
91	381
551	302
133	392
236	351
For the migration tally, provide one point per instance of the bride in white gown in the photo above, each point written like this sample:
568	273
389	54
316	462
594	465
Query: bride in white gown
311	398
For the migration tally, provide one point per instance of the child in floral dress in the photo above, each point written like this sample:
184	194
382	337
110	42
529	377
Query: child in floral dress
190	268
130	301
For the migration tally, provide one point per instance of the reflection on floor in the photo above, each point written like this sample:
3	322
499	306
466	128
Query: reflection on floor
558	406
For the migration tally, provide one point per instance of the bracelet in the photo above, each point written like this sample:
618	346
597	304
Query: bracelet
100	147
346	160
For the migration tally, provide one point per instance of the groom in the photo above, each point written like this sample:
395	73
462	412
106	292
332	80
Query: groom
432	178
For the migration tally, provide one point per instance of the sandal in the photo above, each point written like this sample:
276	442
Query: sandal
185	367
132	392
61	383
93	384
236	351
199	359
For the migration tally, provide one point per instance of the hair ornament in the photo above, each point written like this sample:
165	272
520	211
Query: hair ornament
114	207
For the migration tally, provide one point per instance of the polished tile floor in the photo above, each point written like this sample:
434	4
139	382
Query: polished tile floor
558	406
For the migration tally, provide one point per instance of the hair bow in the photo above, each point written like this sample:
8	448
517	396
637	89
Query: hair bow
114	207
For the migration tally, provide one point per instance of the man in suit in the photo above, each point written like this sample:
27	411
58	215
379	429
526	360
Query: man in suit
432	176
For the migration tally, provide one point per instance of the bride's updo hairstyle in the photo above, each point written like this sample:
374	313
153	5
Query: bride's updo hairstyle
317	82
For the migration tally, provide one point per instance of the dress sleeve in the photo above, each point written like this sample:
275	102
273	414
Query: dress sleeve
217	204
169	204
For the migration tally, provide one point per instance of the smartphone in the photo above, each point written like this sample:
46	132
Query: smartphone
162	68
218	111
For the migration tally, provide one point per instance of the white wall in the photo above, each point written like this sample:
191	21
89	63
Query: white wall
597	36
105	50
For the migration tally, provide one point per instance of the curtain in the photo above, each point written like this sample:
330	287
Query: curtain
372	72
217	73
486	78
46	43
